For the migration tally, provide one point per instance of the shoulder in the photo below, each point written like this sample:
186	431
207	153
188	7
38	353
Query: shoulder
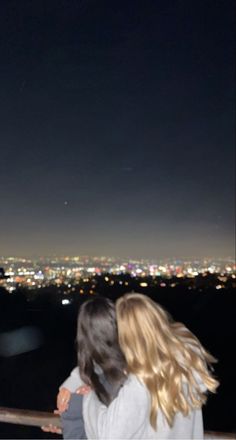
134	381
134	390
73	381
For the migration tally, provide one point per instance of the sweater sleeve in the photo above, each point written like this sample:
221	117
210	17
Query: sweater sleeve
73	382
126	417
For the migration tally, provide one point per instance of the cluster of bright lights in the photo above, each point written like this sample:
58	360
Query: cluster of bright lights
70	271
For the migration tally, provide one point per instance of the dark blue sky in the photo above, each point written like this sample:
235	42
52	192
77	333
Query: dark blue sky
117	128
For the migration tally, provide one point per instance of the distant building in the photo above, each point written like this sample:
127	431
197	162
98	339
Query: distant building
3	278
2	274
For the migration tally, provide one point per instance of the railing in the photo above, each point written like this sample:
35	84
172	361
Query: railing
42	418
212	435
28	417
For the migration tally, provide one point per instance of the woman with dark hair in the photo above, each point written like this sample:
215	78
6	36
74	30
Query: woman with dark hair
101	366
100	360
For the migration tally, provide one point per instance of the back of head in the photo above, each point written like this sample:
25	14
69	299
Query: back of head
98	345
142	326
165	356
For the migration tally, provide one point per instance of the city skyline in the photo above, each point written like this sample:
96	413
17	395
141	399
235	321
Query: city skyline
117	129
40	273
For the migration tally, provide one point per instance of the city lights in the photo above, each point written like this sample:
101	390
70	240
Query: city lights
71	271
65	302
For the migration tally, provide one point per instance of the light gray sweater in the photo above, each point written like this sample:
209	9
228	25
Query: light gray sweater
127	417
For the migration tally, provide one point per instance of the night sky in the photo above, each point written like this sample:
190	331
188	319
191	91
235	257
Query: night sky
117	128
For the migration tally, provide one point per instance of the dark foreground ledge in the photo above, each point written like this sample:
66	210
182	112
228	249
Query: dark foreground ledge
42	418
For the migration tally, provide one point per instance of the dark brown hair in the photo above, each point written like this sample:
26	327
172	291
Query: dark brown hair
97	340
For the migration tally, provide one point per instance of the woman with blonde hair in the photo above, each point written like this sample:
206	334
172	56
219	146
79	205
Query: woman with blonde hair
169	360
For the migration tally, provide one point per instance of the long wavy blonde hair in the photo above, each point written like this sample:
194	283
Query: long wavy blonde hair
165	356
